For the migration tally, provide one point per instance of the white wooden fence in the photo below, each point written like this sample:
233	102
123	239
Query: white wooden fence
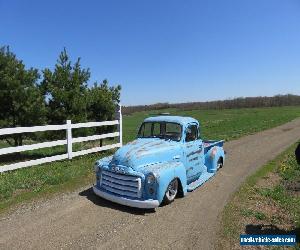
68	141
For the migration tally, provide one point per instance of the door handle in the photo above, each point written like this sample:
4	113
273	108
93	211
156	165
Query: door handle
176	157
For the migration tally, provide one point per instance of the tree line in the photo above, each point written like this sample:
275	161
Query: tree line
241	102
30	97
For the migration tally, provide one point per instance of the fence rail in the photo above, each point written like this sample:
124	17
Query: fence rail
68	141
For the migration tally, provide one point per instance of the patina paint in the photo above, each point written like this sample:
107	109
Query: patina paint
192	163
146	151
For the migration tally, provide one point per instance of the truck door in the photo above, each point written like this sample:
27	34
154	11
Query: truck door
193	153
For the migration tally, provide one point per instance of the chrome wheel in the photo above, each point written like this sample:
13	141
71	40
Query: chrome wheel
172	191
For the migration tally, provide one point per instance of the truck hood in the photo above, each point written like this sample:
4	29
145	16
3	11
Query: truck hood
145	151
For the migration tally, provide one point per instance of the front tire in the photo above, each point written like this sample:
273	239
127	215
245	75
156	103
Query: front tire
171	192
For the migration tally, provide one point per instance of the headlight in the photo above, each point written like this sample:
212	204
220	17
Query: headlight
150	179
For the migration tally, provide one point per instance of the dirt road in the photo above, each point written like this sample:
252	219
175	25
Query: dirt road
82	220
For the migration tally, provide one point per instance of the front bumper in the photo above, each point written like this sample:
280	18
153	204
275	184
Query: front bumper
126	201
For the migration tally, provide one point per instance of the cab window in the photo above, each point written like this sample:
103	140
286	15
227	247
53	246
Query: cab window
162	130
145	130
157	131
191	133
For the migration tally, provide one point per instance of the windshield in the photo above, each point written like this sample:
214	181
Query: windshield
164	130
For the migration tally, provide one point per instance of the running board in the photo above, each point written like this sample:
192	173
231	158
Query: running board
203	178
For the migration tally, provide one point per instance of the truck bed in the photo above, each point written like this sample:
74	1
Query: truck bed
208	144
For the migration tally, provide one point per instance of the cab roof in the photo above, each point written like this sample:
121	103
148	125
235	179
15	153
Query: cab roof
183	120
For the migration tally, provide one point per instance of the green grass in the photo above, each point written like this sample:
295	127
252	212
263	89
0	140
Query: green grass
40	181
225	124
250	213
243	209
47	179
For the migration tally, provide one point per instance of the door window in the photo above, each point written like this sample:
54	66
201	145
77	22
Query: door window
191	133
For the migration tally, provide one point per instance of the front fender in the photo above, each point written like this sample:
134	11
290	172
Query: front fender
165	173
104	161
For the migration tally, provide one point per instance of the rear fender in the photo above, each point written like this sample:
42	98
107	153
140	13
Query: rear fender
211	158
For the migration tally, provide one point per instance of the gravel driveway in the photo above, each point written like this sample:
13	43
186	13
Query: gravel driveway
82	220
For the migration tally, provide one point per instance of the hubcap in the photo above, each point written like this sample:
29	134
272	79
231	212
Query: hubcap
172	190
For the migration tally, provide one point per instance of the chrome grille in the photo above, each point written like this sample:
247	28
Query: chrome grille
121	184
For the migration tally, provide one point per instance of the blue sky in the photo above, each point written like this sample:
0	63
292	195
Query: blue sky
165	51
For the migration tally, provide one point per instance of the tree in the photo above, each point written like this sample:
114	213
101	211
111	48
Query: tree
21	102
68	96
103	101
65	90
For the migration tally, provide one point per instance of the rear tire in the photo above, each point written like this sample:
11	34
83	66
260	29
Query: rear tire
171	192
220	163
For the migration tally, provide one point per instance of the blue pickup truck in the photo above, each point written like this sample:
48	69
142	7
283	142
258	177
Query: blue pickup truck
167	159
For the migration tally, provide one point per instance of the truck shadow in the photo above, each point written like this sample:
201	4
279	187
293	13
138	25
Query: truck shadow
89	194
271	229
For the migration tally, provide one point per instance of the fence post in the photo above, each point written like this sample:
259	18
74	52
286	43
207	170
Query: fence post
119	117
69	138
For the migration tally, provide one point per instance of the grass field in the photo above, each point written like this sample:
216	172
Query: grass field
225	124
47	179
268	202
